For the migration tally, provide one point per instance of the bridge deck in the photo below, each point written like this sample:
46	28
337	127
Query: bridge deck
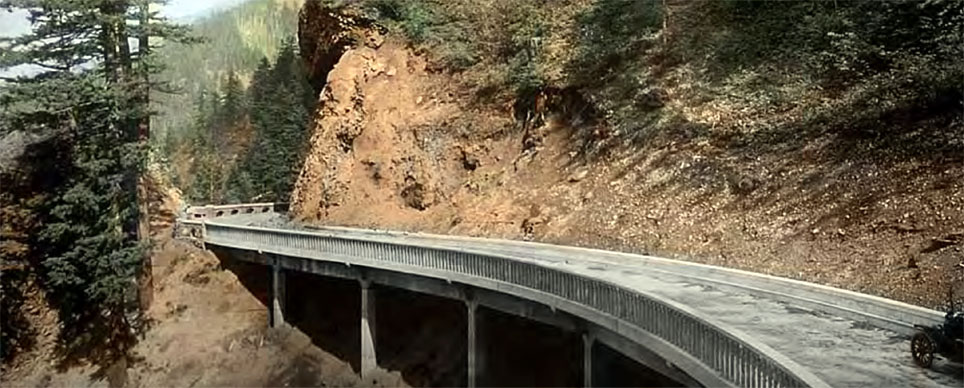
843	352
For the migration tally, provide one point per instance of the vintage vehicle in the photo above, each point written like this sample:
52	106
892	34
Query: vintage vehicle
946	339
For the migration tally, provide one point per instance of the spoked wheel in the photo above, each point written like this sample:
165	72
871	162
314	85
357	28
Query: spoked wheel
922	348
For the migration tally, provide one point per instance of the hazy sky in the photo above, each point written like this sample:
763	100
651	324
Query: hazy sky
16	23
180	9
13	23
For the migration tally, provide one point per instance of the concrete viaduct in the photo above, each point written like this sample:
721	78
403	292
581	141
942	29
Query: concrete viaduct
698	325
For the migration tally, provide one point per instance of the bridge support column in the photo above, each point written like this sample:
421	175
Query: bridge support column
472	367
369	361
277	295
588	340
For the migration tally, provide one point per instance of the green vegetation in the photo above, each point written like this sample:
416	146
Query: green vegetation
265	126
234	123
235	41
878	79
281	103
86	113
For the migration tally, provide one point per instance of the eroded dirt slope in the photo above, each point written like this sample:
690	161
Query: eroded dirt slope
206	328
399	145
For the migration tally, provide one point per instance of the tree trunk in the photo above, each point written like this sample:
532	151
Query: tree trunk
146	280
665	21
143	54
108	43
123	49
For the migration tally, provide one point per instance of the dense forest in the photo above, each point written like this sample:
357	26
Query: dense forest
231	113
234	40
79	135
75	141
263	128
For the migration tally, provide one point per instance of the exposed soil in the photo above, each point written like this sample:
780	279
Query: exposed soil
211	331
397	145
206	329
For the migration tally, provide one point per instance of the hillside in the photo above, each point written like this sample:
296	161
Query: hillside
817	141
240	105
206	329
235	40
813	140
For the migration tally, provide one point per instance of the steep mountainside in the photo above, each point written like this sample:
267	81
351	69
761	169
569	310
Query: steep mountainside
798	141
234	40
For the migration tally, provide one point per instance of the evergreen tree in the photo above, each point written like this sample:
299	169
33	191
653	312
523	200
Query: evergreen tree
232	107
205	169
92	94
259	85
237	38
277	105
281	101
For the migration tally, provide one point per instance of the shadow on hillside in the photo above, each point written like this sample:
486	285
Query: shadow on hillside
870	132
254	277
328	310
18	335
324	310
421	337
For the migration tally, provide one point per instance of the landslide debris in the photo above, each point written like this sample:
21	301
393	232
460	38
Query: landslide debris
636	143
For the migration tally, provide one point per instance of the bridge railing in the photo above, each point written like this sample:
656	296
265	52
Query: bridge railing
734	357
215	211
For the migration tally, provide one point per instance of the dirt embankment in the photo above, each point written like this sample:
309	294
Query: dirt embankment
398	145
206	328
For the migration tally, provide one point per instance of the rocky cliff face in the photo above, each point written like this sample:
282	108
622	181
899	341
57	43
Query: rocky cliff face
325	33
400	145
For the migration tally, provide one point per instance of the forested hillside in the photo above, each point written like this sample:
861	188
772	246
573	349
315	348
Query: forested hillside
235	40
75	196
237	106
85	142
812	140
246	144
744	66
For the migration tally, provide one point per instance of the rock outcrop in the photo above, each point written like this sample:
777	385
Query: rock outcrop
325	33
366	148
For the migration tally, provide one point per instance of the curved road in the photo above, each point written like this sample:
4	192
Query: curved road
843	352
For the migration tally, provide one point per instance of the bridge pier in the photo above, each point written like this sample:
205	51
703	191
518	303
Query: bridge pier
369	360
588	340
277	318
472	307
477	372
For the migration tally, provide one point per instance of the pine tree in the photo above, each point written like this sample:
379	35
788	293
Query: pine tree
203	177
281	100
277	105
258	92
232	108
93	95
